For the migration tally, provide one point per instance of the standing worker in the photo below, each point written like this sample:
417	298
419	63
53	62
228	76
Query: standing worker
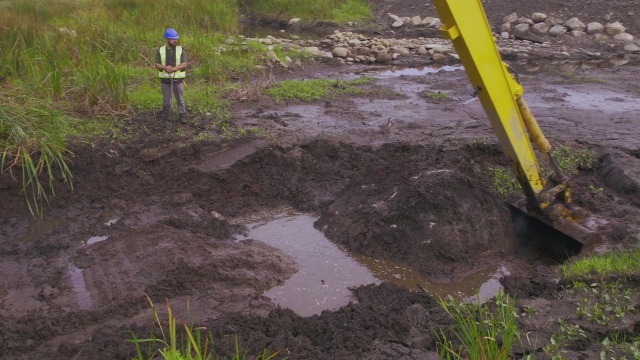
171	62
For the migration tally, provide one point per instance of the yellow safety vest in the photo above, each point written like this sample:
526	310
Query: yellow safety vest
163	61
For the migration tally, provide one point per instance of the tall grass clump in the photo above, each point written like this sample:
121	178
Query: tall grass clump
183	343
482	331
32	145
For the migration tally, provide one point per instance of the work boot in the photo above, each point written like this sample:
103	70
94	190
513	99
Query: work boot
182	118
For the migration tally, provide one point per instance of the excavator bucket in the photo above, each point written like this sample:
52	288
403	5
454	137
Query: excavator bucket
575	223
548	198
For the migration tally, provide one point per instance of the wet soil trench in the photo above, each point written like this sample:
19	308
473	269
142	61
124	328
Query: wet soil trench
382	192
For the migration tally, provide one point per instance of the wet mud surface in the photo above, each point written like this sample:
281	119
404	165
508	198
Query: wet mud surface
390	174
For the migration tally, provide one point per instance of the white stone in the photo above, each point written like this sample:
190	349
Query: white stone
595	28
615	28
578	33
540	28
632	48
626	37
294	21
340	52
575	24
557	30
416	21
397	24
538	17
431	22
394	17
510	18
506	27
521	28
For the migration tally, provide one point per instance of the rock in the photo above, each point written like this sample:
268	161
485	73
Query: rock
542	53
595	28
70	32
600	37
416	21
395	56
521	29
540	28
577	33
575	24
294	21
614	28
315	52
431	22
383	57
510	18
354	42
632	48
438	57
361	50
271	55
397	24
557	30
553	20
538	17
524	20
504	35
506	27
422	50
625	37
340	52
394	17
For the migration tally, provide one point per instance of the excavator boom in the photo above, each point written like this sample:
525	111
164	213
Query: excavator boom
547	198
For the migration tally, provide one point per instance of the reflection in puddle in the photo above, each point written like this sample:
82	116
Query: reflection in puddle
394	71
96	239
80	287
327	272
39	227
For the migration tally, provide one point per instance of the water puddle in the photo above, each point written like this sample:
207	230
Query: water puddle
327	271
38	227
96	239
395	71
80	287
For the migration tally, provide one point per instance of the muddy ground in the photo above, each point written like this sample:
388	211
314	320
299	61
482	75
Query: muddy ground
390	173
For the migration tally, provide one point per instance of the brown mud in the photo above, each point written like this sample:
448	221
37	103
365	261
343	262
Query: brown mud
390	174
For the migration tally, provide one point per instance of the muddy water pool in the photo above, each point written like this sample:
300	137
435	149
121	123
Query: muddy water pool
328	271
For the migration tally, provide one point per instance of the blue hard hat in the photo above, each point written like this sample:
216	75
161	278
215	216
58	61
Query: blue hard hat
171	34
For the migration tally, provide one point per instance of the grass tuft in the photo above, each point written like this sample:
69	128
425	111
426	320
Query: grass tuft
483	331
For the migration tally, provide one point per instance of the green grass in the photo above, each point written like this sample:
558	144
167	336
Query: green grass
315	89
481	331
618	263
186	342
332	10
503	181
436	95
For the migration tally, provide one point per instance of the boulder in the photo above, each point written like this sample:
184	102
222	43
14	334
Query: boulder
557	30
340	52
595	28
625	37
510	18
614	28
521	29
540	28
538	17
575	24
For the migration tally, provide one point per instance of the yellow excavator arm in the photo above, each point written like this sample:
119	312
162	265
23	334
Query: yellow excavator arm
548	198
